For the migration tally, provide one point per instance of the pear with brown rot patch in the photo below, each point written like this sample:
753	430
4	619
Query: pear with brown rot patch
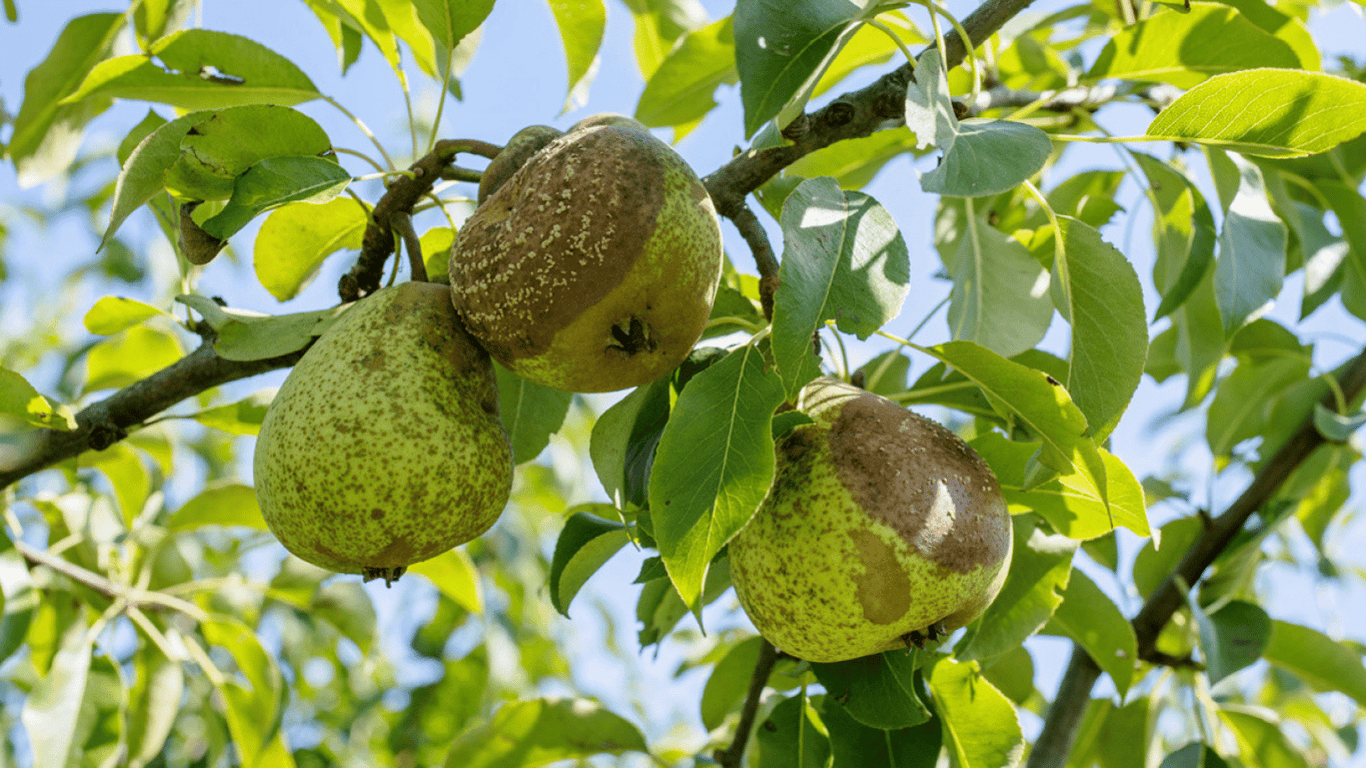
383	447
594	267
882	529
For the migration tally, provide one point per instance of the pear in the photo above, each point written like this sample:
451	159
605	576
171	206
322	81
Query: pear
383	447
882	529
518	150
595	266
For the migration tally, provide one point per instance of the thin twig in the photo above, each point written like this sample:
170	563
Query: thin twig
753	232
403	222
1064	716
131	597
731	756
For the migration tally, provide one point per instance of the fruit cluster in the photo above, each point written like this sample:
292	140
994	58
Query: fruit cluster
590	265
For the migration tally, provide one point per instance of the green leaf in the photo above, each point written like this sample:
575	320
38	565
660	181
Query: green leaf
274	182
154	703
781	50
853	162
855	744
523	734
1335	426
877	691
714	465
1160	556
244	335
346	606
1000	291
143	174
454	575
843	260
1090	617
1194	755
129	356
243	417
681	90
47	133
1241	409
1252	244
140	131
988	157
1040	566
1326	665
1260	739
581	23
660	608
126	473
1350	208
18	399
981	157
980	727
52	709
112	314
623	441
1098	293
200	69
1026	396
1013	674
224	145
585	544
1267	112
728	683
1186	48
449	21
1186	212
1231	638
530	413
231	505
790	737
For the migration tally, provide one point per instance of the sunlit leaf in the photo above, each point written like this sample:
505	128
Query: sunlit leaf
1317	659
454	575
112	314
154	702
243	417
273	182
981	729
51	710
129	356
585	544
19	400
1186	48
843	260
1000	296
582	23
1260	738
714	464
1251	264
1040	566
1091	618
540	731
681	90
530	413
244	335
230	505
47	133
200	69
728	683
1267	112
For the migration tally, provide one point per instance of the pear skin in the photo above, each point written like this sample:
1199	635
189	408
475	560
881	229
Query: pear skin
882	529
383	447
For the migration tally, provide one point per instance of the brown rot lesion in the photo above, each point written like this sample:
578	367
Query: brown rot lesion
631	336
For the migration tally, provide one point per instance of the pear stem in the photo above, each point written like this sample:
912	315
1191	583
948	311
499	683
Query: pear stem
731	756
402	222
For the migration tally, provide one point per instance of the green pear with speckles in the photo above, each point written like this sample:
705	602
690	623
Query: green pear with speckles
594	267
383	447
882	529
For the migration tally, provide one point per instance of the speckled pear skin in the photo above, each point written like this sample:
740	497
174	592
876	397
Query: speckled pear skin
595	266
879	523
383	447
518	150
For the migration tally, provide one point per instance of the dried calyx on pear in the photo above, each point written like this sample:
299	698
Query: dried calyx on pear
594	267
383	447
882	529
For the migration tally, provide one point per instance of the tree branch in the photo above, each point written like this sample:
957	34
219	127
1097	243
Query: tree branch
104	423
1059	731
731	756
